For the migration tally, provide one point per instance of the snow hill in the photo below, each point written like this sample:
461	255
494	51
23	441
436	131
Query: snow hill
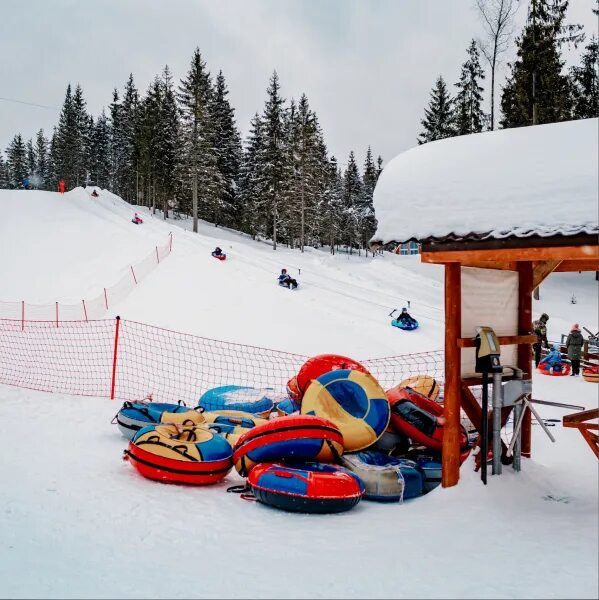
87	526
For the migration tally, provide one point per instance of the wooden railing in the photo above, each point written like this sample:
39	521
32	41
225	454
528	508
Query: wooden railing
579	421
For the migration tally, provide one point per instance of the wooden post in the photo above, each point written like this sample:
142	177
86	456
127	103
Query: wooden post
525	290
453	330
114	357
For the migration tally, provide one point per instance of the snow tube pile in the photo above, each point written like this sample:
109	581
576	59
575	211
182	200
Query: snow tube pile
287	407
193	455
307	487
423	384
133	416
392	442
293	391
316	366
353	401
231	424
236	397
413	478
431	471
420	418
564	369
591	374
381	474
292	438
406	326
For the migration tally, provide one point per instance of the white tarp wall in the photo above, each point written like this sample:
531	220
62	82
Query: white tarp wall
489	297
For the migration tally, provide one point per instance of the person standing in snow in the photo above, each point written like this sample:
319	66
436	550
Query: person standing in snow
574	344
539	328
61	186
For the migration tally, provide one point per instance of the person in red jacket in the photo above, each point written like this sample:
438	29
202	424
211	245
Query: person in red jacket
61	186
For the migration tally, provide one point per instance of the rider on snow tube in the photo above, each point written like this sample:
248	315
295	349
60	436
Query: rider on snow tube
136	219
553	361
218	253
286	280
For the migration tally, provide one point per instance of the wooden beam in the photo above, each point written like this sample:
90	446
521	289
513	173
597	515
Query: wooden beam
571	420
450	473
504	340
499	266
589	252
542	270
578	265
524	361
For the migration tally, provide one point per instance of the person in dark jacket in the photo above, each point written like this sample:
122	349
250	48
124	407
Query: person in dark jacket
286	280
406	317
574	345
539	328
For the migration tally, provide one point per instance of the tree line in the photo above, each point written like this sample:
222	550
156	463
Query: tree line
177	147
538	88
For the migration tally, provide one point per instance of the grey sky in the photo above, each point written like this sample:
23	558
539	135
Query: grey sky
367	66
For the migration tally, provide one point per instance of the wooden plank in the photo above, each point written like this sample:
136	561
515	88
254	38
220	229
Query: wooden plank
504	340
450	472
580	417
499	266
524	360
542	270
588	252
592	440
578	265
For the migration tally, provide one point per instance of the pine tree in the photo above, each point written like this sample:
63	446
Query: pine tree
379	167
16	155
82	136
4	179
30	162
273	165
539	59
439	120
41	160
585	80
227	147
351	195
199	169
365	207
100	163
469	115
331	206
51	179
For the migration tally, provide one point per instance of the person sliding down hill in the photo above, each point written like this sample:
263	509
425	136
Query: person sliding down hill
553	360
136	219
217	252
286	280
405	317
95	194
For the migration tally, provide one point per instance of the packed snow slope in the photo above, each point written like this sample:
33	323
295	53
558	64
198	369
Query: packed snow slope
67	247
86	525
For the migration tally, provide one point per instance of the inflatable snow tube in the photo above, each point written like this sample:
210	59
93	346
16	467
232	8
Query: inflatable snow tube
256	401
133	416
193	455
392	442
421	419
293	391
423	384
306	487
219	256
231	424
591	374
316	366
354	402
380	473
413	478
431	472
288	439
545	369
287	407
409	326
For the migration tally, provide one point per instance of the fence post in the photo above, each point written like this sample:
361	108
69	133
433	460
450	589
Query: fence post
84	310
105	299
114	355
133	273
170	246
157	257
57	314
22	315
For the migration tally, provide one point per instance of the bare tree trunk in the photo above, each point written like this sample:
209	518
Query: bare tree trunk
194	202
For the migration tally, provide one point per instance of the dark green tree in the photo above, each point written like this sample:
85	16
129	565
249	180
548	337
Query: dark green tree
469	115
439	119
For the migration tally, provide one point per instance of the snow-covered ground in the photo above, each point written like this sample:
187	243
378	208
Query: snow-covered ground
77	521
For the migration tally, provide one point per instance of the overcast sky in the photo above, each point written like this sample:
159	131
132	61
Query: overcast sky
367	66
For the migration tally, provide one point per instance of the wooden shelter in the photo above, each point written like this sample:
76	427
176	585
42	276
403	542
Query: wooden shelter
510	232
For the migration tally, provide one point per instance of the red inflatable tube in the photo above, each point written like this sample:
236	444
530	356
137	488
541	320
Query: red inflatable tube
421	419
168	470
544	368
316	366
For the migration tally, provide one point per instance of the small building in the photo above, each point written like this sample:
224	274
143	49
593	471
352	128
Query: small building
501	210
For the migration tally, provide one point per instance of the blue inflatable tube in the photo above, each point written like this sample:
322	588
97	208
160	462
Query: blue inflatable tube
405	326
236	397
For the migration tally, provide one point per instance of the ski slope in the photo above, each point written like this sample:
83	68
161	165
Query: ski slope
77	521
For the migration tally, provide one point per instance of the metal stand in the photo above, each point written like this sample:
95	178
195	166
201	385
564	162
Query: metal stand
484	434
497	403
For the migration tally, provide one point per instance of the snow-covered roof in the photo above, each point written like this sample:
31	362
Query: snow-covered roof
541	180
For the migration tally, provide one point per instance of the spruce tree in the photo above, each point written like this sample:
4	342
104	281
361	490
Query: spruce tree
585	80
351	194
439	120
100	163
379	167
539	61
41	160
469	115
31	163
4	180
365	206
82	137
16	155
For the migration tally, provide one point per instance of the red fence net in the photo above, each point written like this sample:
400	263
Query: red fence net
78	357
